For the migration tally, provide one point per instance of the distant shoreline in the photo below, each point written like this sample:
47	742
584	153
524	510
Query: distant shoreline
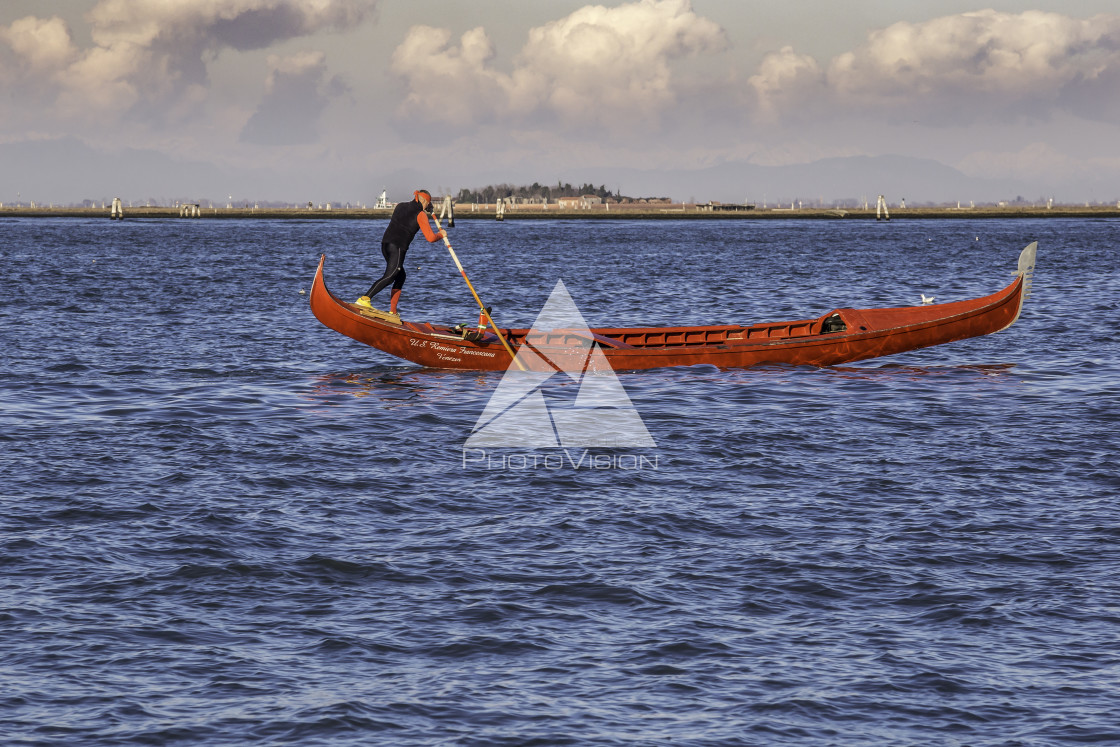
536	212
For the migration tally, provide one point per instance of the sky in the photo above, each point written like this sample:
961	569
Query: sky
315	100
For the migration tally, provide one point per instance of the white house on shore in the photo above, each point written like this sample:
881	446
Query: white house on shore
576	203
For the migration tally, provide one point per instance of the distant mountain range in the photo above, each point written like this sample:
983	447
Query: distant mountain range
67	171
830	180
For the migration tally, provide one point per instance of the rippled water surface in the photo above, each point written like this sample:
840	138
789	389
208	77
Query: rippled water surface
221	522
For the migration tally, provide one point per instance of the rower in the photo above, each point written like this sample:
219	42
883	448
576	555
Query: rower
408	219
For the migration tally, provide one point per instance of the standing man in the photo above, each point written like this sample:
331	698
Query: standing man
408	218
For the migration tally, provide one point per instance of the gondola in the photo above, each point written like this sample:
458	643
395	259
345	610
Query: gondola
838	336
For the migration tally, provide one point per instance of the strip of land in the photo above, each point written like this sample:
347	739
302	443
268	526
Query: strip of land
597	212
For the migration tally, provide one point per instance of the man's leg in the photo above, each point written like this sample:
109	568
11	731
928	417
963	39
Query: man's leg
395	295
394	258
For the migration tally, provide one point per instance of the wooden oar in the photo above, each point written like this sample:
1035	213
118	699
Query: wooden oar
485	311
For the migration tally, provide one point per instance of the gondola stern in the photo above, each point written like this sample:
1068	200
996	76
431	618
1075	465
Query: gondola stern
1025	272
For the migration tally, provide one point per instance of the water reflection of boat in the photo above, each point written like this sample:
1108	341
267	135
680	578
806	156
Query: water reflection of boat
840	336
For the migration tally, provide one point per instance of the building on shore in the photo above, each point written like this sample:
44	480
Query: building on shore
719	207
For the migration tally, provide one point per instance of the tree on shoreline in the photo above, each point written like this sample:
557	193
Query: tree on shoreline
536	192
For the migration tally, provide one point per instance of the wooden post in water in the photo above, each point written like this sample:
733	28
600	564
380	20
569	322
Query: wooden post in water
116	212
447	210
881	212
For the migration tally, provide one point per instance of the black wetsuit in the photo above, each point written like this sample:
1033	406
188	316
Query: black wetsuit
403	227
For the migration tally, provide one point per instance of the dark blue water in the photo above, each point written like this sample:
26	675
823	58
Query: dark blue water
222	523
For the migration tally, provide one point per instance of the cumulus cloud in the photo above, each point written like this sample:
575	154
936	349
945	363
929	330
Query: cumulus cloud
41	46
787	81
155	53
602	66
296	92
448	83
240	24
959	68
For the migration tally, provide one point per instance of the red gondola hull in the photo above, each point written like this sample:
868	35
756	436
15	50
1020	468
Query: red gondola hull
866	333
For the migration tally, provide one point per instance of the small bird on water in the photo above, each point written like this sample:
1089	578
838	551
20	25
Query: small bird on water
926	300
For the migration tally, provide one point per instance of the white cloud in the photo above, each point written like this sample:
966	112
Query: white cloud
43	46
597	66
612	60
961	68
101	81
449	83
155	53
786	81
240	24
